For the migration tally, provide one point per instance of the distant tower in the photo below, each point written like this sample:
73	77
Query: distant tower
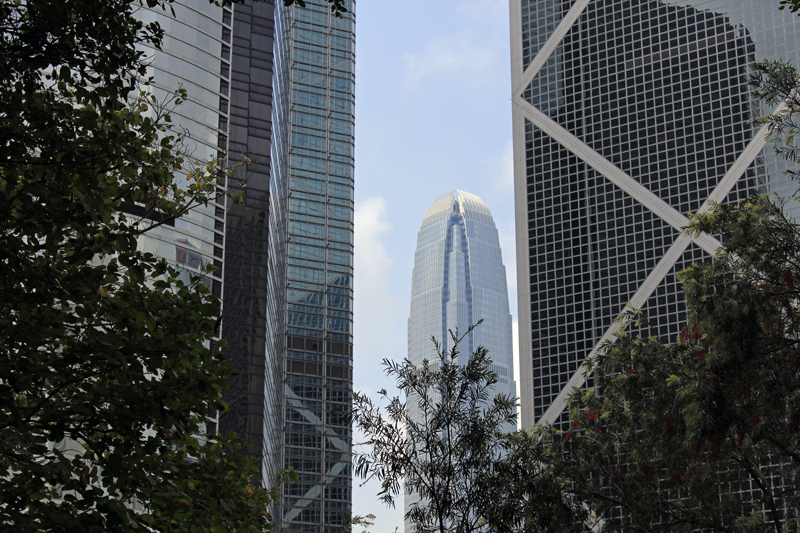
458	279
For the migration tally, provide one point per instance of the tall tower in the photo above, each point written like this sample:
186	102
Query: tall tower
245	274
222	57
627	116
195	55
275	86
310	261
458	279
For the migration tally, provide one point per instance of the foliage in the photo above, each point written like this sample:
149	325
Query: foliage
357	521
681	428
445	444
527	491
338	7
107	379
793	5
775	84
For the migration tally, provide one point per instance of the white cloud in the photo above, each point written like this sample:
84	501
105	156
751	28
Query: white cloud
379	332
452	60
375	313
372	261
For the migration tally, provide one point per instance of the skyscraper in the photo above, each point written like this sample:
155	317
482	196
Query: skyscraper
274	86
222	57
627	116
194	55
310	269
245	272
458	279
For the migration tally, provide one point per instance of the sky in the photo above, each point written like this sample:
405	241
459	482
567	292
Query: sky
433	114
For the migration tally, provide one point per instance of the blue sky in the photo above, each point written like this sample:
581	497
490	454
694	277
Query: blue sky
433	114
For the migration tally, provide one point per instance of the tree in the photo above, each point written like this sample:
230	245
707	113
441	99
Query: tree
444	443
793	5
528	492
702	433
107	379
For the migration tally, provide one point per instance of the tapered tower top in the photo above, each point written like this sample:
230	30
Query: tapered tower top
456	201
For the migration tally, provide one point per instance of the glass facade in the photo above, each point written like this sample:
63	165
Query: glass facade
628	116
194	55
458	279
223	57
310	274
246	243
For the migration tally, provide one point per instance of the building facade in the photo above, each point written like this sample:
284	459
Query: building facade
222	57
195	55
245	262
310	259
627	116
273	87
458	279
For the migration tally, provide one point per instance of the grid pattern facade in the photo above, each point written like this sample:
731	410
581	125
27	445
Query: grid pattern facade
628	116
458	279
309	291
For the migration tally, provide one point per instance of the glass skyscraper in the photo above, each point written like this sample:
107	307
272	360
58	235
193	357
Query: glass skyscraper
458	279
194	55
310	260
273	86
245	262
222	57
627	116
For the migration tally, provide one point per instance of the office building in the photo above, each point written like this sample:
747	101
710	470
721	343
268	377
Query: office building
222	57
273	87
627	116
458	279
194	55
310	259
245	272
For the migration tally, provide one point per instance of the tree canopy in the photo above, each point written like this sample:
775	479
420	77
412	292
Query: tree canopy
443	441
107	376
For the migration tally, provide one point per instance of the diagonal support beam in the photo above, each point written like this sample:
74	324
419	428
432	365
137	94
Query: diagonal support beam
550	45
613	173
663	267
639	298
739	166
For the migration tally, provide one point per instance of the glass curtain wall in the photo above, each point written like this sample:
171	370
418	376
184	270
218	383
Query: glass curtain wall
246	244
195	56
311	258
458	279
628	117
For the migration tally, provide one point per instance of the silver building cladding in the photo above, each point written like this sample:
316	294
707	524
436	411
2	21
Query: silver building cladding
194	55
627	116
222	57
310	260
458	279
